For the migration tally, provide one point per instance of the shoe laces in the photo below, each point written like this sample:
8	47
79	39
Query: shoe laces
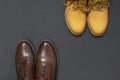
98	5
43	73
78	5
26	72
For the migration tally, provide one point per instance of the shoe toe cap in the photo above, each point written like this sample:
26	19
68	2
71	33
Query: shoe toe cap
76	21
24	49
97	22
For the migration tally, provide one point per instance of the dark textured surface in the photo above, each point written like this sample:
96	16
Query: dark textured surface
80	58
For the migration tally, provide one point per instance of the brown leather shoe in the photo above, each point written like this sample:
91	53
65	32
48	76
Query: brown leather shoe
46	63
25	61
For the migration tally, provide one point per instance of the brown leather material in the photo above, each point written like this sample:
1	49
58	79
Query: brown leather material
46	62
25	61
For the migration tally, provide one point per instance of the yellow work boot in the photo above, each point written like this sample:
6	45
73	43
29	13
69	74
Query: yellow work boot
98	16
75	15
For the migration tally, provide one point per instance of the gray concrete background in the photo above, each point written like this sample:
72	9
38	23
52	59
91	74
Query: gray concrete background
80	58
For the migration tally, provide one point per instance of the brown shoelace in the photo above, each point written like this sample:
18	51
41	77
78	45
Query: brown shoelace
92	5
79	5
98	5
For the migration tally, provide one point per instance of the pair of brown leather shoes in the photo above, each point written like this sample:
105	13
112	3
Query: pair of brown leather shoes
44	68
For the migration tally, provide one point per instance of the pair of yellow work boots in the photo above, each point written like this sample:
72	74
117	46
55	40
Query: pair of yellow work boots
95	12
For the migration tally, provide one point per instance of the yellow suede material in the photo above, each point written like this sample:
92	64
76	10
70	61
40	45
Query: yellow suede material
76	20
97	21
